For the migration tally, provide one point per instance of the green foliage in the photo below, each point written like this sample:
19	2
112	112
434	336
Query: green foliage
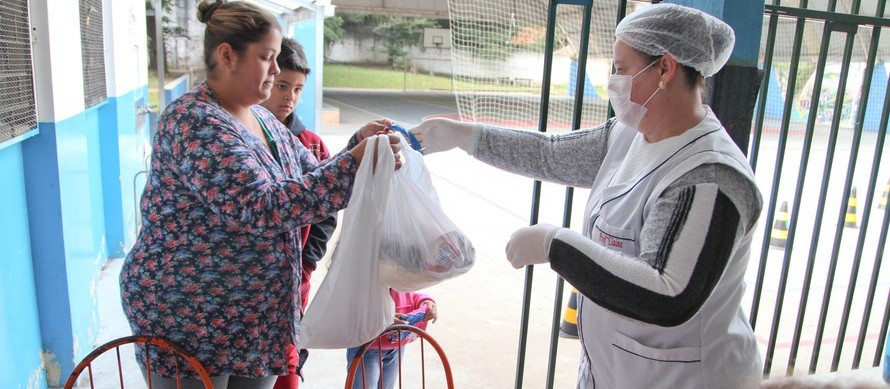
170	28
167	24
335	27
487	39
496	40
399	32
804	71
333	30
351	20
560	39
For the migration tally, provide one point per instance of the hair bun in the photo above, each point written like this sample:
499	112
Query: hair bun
206	9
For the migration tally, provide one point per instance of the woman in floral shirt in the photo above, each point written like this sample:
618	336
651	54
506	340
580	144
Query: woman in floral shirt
216	266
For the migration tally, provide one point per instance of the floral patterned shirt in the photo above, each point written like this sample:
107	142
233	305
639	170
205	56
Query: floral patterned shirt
216	266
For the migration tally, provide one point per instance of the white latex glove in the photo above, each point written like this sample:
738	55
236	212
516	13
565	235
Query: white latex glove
440	134
530	245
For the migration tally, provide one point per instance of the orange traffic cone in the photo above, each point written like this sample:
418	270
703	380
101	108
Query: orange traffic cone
779	236
569	326
850	220
882	203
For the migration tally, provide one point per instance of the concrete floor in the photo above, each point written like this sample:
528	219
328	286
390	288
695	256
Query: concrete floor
480	311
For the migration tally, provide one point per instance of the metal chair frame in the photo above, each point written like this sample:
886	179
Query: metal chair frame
87	362
356	365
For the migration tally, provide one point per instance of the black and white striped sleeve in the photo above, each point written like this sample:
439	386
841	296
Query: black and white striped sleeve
685	245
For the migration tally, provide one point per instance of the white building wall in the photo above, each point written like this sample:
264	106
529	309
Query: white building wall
58	69
185	54
431	60
369	50
126	60
360	50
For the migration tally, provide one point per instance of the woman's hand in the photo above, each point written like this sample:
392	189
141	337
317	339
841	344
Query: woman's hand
442	134
530	245
394	143
374	127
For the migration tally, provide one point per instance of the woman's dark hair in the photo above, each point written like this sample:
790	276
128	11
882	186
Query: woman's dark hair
237	23
292	57
694	79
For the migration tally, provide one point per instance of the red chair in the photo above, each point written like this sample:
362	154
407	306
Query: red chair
356	367
138	341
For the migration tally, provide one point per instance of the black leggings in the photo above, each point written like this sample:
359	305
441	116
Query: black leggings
219	382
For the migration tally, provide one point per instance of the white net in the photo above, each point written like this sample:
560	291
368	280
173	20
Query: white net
498	59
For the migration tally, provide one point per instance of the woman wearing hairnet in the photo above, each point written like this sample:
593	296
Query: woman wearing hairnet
661	257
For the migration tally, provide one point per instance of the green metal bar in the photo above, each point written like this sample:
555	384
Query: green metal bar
795	208
876	163
811	259
829	162
554	331
622	12
876	268
577	110
851	165
536	193
882	240
764	91
802	12
777	174
783	137
829	282
872	286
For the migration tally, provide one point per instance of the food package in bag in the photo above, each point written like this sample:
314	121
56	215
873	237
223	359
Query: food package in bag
419	245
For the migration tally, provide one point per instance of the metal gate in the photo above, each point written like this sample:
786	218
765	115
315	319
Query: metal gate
817	285
820	292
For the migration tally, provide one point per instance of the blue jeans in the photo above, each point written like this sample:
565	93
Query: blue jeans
886	370
372	362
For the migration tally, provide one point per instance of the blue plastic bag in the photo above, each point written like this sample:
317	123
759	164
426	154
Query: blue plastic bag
408	135
887	359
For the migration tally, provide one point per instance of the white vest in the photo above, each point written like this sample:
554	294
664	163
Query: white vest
624	353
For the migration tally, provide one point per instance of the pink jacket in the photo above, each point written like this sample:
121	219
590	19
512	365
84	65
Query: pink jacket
406	303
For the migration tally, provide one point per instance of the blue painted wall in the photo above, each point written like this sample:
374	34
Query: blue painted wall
20	343
775	104
125	145
63	181
745	18
306	33
589	89
175	89
878	91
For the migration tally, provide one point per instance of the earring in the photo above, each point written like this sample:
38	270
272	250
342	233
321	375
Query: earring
661	84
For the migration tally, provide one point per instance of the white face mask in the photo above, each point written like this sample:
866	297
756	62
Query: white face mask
627	112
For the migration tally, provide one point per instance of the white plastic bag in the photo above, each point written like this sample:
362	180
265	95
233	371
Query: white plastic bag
395	234
352	306
419	245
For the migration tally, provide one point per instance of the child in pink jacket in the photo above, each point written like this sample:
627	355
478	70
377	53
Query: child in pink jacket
411	308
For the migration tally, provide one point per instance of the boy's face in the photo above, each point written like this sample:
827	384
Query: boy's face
285	93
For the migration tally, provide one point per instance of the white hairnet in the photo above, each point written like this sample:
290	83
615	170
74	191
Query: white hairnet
694	38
